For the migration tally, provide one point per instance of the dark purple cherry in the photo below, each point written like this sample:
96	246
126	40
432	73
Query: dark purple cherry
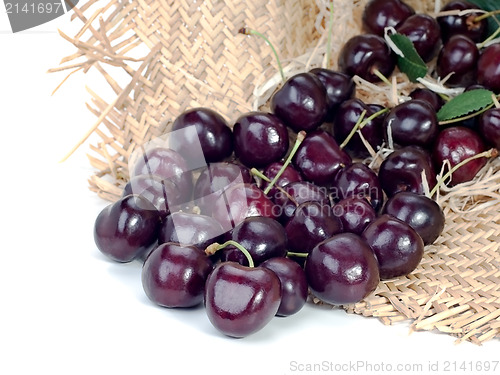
214	179
319	158
339	88
488	68
402	171
175	275
242	201
167	164
413	122
342	270
201	127
489	127
379	14
423	30
428	96
362	54
127	228
290	174
458	56
358	180
259	139
420	212
311	223
190	230
465	24
240	300
296	193
294	288
346	118
456	144
354	213
397	246
301	103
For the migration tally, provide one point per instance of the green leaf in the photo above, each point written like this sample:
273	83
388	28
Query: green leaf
489	6
411	64
465	103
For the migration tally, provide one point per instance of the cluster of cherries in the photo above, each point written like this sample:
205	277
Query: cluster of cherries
260	226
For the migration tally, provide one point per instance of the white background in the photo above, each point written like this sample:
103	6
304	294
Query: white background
65	309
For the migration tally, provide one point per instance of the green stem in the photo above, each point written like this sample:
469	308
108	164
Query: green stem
298	255
298	141
381	77
259	174
486	15
487	154
354	129
213	248
246	31
329	40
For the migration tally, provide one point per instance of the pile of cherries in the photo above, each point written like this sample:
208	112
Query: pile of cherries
263	224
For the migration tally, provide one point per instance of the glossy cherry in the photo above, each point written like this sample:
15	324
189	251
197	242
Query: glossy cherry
428	96
379	14
354	213
423	30
462	24
488	68
489	127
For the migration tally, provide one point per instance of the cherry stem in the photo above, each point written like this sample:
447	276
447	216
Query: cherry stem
381	77
495	101
213	248
361	123
261	175
246	31
492	153
298	255
486	15
329	40
298	141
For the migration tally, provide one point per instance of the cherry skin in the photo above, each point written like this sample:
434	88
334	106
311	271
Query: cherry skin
342	270
363	54
311	223
210	131
190	230
126	229
293	282
489	127
488	68
465	25
354	213
456	144
259	139
397	246
413	122
458	56
319	158
240	300
428	96
301	103
289	175
402	171
420	212
175	275
424	32
339	88
379	14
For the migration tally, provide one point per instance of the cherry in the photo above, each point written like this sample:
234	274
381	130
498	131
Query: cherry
127	228
379	14
413	122
466	25
363	55
301	103
354	213
311	223
456	144
241	300
489	127
339	88
488	68
259	139
342	269
397	246
346	118
420	212
424	32
214	180
209	130
175	275
290	174
458	56
428	96
167	164
358	180
294	288
319	158
190	229
402	171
